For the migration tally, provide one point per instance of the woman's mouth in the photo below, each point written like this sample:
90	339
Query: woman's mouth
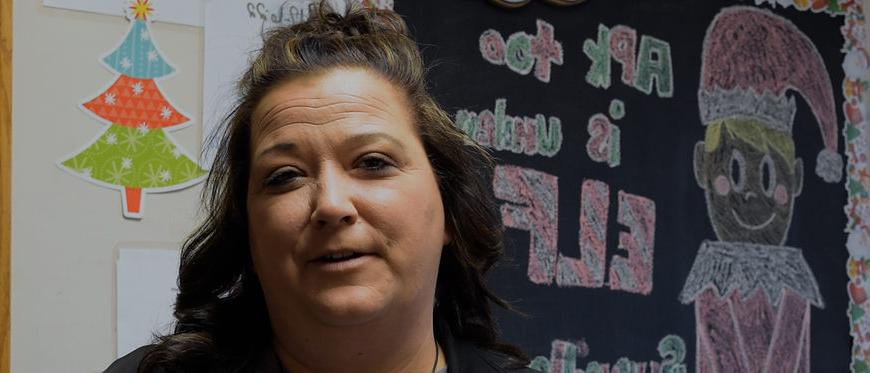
340	261
339	257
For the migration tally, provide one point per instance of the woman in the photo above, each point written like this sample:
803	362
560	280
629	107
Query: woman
350	224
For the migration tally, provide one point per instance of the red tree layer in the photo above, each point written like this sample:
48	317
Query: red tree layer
131	102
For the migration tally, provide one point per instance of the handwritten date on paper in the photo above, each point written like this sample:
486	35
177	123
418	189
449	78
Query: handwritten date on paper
287	13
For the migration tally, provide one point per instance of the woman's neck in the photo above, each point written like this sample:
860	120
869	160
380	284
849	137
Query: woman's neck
397	344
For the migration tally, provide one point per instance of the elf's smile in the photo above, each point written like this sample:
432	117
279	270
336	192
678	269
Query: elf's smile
745	225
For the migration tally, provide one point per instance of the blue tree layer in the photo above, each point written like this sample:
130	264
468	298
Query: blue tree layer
137	57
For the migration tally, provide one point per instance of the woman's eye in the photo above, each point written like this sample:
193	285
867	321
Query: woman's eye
375	163
281	177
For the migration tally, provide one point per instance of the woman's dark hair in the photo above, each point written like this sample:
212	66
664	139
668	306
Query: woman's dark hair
221	315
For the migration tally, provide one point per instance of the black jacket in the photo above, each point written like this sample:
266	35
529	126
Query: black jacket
462	357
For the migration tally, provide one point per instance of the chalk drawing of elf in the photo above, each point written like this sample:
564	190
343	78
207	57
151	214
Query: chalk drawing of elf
752	294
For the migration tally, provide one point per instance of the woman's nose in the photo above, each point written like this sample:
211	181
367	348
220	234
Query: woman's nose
333	202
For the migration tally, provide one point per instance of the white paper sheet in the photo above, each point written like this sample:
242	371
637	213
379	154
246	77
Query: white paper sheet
185	12
146	290
233	32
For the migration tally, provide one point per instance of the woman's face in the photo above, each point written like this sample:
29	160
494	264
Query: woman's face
345	216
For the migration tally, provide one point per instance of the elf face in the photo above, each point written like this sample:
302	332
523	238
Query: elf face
750	183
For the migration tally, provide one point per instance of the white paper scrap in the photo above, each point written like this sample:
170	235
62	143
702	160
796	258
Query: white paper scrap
185	12
146	286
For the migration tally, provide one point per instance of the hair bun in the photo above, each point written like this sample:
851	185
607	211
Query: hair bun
357	20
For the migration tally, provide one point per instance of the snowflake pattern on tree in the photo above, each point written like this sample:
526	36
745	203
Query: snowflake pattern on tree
134	154
135	159
137	57
131	102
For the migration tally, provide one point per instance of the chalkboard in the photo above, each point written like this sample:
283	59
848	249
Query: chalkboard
607	118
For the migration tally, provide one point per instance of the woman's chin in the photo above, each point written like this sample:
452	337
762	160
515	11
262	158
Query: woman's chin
347	306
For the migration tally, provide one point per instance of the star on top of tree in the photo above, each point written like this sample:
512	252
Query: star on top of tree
141	9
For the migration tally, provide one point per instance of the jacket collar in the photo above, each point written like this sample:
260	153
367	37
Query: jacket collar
462	356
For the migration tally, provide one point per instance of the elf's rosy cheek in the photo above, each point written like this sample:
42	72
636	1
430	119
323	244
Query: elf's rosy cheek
722	185
780	194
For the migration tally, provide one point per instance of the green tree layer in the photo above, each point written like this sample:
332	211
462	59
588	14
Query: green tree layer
135	158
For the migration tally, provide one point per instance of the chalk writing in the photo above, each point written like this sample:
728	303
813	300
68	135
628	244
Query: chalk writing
603	144
588	271
617	109
500	131
546	50
650	66
599	73
493	47
634	272
532	205
654	65
673	350
519	57
622	44
533	197
564	356
522	51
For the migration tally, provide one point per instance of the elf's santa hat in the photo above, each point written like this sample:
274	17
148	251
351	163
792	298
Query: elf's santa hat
751	58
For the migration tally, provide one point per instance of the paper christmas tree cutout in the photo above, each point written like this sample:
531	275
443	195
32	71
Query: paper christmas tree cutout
134	154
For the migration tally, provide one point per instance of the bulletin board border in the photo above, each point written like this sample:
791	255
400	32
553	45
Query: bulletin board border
5	179
856	134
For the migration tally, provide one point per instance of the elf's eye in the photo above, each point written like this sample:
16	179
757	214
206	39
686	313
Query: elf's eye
737	170
768	175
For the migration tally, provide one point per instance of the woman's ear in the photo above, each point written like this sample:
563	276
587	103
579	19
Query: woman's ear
448	236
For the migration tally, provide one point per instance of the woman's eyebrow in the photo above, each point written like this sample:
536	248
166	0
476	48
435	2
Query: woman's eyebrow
281	147
371	137
352	142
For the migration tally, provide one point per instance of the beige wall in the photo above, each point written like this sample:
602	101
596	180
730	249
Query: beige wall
65	230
